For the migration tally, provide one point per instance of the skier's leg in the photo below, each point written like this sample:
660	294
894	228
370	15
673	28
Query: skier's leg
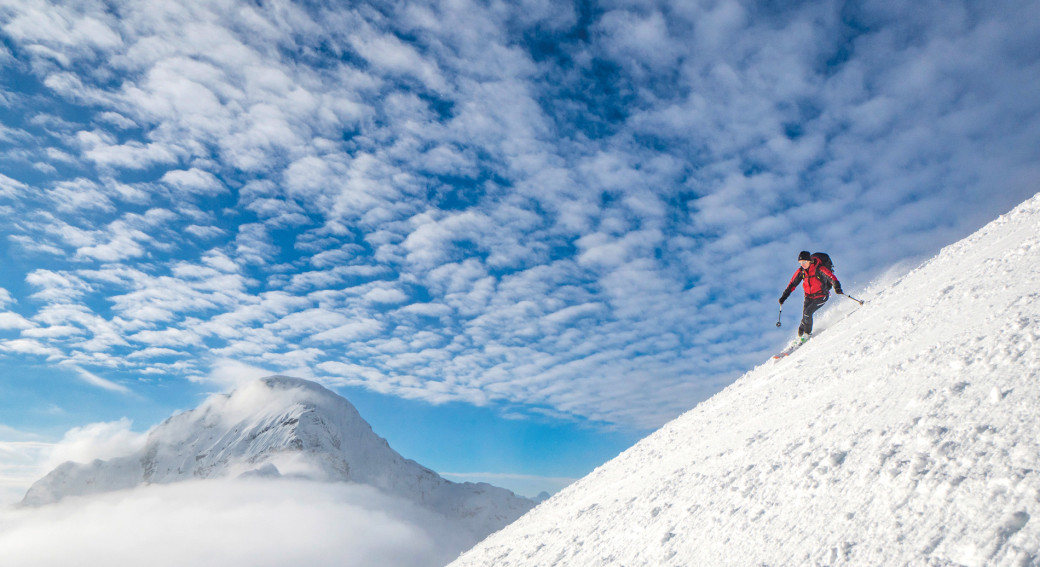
810	306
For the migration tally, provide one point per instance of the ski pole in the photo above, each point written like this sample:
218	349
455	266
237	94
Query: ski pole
854	299
778	316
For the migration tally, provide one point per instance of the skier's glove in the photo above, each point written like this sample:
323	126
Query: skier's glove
837	289
783	298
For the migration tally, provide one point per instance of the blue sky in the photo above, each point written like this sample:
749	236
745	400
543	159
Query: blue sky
517	235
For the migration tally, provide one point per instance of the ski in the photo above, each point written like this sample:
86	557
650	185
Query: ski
787	351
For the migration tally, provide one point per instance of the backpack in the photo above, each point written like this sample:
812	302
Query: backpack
825	261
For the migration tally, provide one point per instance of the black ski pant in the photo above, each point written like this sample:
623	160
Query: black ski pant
811	305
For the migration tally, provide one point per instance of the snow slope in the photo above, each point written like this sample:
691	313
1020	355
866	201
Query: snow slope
281	426
906	433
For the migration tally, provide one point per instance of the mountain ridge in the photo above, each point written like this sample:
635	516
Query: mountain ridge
281	426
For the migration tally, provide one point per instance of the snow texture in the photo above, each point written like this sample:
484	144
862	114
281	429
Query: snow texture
281	426
906	433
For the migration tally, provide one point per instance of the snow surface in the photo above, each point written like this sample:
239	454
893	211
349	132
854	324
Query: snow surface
904	433
281	426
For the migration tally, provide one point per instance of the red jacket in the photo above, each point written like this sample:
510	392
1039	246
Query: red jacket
813	279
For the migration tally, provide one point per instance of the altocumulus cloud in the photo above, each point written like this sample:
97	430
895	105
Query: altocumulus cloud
587	208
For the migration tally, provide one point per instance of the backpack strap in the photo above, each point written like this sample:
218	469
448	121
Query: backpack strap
825	283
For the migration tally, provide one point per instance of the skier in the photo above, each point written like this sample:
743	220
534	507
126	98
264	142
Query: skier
817	280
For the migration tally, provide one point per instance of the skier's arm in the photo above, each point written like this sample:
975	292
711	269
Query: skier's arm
795	279
833	279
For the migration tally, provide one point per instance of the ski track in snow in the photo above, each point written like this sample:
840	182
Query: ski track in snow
905	434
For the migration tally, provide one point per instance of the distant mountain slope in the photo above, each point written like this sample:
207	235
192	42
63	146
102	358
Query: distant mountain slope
282	426
907	433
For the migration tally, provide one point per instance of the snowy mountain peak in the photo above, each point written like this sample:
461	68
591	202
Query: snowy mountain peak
299	427
281	426
903	433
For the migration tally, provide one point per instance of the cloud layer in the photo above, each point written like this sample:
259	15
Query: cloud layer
252	522
25	458
582	210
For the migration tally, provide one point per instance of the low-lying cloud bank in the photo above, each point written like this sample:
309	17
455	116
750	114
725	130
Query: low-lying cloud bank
25	457
254	522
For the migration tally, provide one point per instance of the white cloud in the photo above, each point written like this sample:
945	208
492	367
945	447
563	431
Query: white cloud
431	242
347	373
30	346
295	362
56	287
389	54
9	135
204	232
167	338
71	320
120	243
116	119
79	195
348	332
95	380
278	212
194	181
568	315
386	296
9	320
308	322
52	332
155	352
605	251
253	244
339	185
316	280
640	39
230	374
101	149
427	309
21	456
219	260
330	258
260	523
43	22
11	187
94	441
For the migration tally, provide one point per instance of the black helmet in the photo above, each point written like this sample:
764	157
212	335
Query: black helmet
804	255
